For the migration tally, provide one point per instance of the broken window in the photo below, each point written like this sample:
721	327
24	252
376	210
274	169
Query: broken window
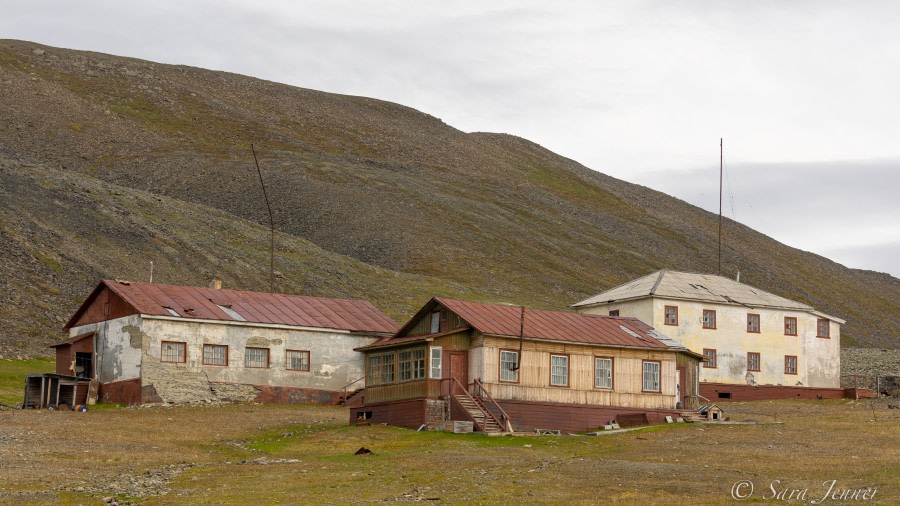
823	328
215	354
671	315
232	313
709	358
709	319
614	312
297	360
172	352
171	311
559	370
752	323
790	364
790	326
651	376
603	372
436	362
509	366
256	357
753	361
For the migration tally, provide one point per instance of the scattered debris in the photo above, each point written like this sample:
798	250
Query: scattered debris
363	451
266	461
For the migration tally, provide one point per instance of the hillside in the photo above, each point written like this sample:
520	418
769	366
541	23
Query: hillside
108	163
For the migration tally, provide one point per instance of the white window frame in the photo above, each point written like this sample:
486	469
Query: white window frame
435	322
556	370
600	378
436	355
652	373
510	367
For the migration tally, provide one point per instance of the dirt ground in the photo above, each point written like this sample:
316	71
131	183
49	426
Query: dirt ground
239	453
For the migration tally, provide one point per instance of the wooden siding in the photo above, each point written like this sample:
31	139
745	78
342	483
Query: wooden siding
403	414
534	374
743	393
423	325
691	367
106	306
416	389
528	416
457	341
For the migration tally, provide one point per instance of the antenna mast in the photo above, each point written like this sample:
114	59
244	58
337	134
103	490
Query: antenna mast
271	224
721	164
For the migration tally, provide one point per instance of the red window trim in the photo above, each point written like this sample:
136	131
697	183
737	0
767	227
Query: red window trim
612	373
568	370
715	319
820	320
758	323
660	376
268	357
308	360
666	319
715	356
796	364
758	361
499	366
796	325
163	343
203	358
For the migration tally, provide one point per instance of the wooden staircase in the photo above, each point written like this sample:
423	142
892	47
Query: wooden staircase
692	416
348	398
483	418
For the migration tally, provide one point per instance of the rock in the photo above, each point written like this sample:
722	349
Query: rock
39	52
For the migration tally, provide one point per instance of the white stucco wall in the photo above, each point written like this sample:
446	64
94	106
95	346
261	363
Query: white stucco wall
818	360
117	348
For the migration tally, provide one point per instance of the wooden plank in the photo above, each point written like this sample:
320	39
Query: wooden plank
93	391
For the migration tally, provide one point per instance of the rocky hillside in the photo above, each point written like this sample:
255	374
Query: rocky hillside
107	163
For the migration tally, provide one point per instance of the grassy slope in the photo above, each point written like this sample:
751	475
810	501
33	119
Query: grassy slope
12	378
417	206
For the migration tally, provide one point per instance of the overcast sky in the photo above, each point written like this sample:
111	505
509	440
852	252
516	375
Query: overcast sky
805	93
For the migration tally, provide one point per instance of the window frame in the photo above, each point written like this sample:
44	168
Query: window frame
500	353
440	366
658	375
715	319
758	323
393	364
268	357
162	345
435	318
796	325
411	365
666	316
613	312
568	371
612	372
203	353
715	358
827	334
796	364
758	361
287	360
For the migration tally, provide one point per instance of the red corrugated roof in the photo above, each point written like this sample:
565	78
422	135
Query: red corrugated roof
554	325
255	307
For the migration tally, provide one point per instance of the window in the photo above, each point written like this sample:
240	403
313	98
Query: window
509	366
823	328
373	374
790	326
297	360
753	361
256	357
559	370
651	376
790	364
709	358
214	354
614	312
411	364
436	362
435	322
709	319
381	369
172	352
753	323
387	368
671	315
603	372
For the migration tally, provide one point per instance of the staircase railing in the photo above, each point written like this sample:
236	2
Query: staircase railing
482	392
348	385
453	381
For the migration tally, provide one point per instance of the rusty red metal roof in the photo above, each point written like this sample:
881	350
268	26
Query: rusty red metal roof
255	307
583	328
393	340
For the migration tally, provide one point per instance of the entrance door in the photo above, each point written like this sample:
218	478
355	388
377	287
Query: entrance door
679	386
459	369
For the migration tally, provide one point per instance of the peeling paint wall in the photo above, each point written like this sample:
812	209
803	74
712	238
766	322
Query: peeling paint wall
117	345
818	359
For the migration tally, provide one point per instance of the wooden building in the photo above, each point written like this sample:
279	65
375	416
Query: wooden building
511	368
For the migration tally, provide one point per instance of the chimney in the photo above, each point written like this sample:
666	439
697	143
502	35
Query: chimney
216	283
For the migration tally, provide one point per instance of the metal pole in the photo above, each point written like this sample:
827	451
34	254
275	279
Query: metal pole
271	223
721	164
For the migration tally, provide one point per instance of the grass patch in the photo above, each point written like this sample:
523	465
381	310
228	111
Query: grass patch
12	378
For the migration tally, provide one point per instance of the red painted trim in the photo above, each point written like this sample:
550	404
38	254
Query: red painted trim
827	334
308	360
758	323
612	373
715	319
665	316
758	361
500	368
796	364
568	369
786	318
203	352
183	357
268	357
715	358
660	376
